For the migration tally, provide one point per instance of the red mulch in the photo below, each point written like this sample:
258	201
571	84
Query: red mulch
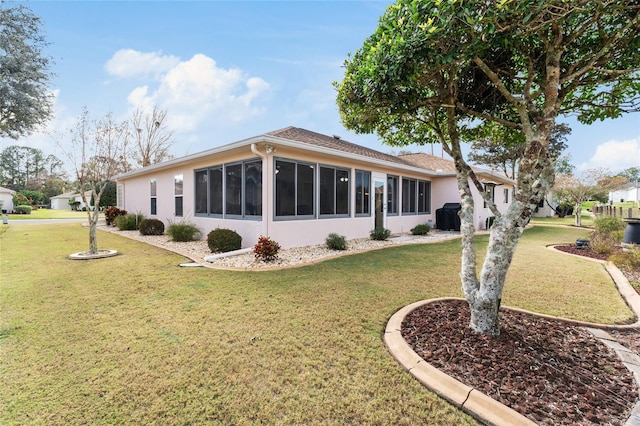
551	372
586	252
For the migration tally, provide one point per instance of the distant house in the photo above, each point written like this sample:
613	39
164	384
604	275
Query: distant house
69	201
629	192
6	199
297	186
546	207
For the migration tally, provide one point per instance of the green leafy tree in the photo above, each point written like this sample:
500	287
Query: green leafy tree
35	197
23	167
502	147
632	174
97	149
25	101
440	71
109	196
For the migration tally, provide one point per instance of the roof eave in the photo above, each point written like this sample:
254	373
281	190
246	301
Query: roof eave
276	141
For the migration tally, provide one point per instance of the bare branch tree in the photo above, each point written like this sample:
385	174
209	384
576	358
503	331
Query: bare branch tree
578	189
97	150
153	139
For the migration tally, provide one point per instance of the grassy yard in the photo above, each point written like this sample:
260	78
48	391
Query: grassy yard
49	214
586	220
134	339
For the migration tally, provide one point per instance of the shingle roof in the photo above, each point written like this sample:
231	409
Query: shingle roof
429	162
333	142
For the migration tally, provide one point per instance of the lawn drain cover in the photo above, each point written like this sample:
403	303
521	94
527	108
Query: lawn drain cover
190	265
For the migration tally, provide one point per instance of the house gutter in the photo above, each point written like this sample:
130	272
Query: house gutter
265	178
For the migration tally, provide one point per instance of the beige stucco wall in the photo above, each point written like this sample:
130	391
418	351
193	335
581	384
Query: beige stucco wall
288	233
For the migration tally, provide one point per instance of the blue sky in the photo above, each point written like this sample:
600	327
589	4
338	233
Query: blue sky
226	71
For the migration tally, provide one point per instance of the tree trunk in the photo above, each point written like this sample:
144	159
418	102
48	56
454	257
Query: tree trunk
485	295
578	213
485	302
93	216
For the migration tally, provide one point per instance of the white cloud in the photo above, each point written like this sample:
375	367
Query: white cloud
615	155
198	92
126	63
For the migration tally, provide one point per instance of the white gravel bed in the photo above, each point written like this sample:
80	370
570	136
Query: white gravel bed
198	250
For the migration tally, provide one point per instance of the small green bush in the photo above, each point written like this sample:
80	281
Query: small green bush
610	225
111	213
380	234
183	231
151	227
336	242
222	240
266	249
129	222
22	209
422	229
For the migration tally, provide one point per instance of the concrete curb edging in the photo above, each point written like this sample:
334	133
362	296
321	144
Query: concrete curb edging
470	400
473	402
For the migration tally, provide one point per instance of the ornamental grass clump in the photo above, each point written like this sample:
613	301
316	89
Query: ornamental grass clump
183	231
266	249
608	234
129	222
336	242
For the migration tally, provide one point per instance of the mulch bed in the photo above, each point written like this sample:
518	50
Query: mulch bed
586	252
551	372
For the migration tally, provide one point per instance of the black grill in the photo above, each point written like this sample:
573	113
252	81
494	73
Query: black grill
448	218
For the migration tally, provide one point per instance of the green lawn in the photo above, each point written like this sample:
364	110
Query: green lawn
586	220
49	214
135	339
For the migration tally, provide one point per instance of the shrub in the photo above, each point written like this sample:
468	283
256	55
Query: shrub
183	231
422	229
22	209
336	242
21	200
380	234
603	242
224	240
129	222
266	249
610	225
626	259
151	227
111	213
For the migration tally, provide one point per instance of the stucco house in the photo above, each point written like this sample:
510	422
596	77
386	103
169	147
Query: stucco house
62	201
629	192
6	199
297	186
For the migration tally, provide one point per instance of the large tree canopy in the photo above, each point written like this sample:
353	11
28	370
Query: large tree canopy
25	101
439	71
23	167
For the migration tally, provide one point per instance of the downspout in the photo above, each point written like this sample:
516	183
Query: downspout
265	180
